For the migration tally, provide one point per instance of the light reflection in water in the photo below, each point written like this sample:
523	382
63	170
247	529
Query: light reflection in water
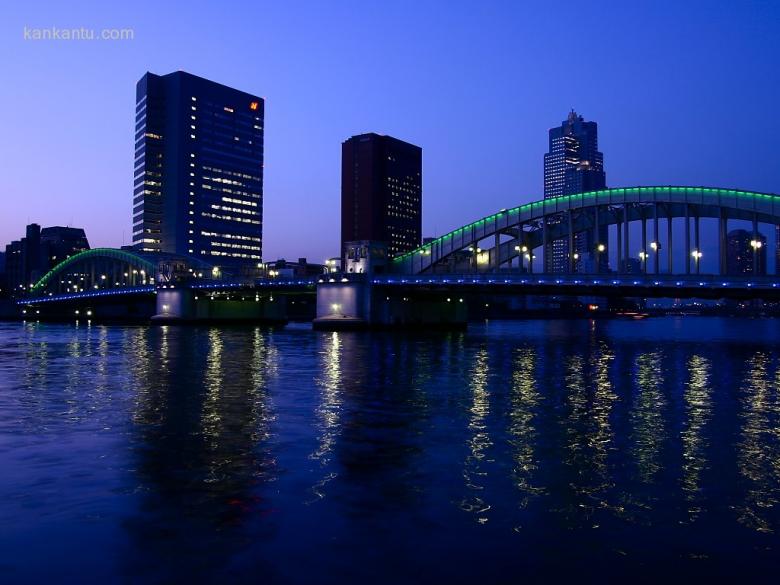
479	441
758	453
647	415
589	431
524	403
329	409
698	411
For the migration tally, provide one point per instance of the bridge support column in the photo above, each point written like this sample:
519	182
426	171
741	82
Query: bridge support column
596	241
669	252
644	243
688	250
619	243
756	250
626	252
571	263
657	248
722	241
496	250
697	242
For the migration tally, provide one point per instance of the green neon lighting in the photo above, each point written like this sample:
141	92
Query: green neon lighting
709	191
112	253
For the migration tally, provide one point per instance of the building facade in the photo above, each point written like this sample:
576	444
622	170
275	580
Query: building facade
574	164
40	250
746	253
198	174
381	192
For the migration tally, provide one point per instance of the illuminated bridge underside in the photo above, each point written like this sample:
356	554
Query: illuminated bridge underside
96	271
536	225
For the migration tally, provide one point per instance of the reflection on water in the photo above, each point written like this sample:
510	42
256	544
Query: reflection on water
589	432
329	382
240	454
522	429
479	439
759	457
648	415
698	412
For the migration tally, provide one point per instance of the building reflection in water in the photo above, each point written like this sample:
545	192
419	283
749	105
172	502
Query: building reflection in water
698	412
202	423
525	399
758	456
479	441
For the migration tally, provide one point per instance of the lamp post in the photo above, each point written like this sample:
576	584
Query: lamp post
655	247
756	246
643	257
696	255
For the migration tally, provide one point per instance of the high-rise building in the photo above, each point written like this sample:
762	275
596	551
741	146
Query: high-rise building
745	253
574	164
30	257
198	178
381	192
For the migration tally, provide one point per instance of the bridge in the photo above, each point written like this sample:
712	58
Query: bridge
527	232
505	253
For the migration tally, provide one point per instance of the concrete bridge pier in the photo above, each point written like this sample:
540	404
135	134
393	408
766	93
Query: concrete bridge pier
361	305
177	305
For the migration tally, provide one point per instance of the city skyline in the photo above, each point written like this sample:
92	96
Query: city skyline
487	160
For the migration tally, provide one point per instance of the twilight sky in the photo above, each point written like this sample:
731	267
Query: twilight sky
684	93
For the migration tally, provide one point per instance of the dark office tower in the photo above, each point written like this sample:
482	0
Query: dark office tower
574	165
381	192
38	251
745	253
198	170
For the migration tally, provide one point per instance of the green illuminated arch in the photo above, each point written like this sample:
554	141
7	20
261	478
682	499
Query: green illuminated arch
741	203
108	253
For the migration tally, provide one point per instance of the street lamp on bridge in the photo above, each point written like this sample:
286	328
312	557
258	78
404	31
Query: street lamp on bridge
696	254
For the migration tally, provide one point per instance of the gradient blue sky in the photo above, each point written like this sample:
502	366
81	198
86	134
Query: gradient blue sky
684	93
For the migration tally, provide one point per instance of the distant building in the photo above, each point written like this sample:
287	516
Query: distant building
631	266
574	164
287	269
29	258
745	253
381	192
198	180
3	288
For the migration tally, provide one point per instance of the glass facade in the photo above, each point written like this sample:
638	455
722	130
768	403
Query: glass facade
198	175
574	165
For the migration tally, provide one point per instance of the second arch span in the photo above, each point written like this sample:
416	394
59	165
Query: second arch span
519	231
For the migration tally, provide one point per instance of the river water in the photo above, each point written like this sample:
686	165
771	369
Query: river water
525	451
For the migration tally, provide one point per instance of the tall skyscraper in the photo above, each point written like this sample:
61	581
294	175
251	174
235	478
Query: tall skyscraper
198	177
745	253
574	164
381	192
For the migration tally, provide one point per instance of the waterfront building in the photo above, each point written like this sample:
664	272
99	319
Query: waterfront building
30	257
198	175
381	192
